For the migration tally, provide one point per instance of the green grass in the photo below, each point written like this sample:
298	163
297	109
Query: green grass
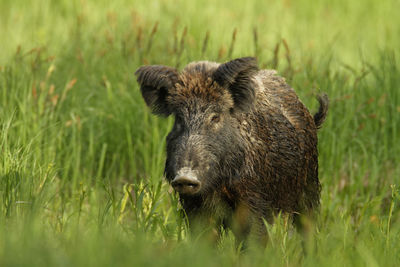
82	158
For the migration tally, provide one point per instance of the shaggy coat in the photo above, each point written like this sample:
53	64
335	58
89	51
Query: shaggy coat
243	146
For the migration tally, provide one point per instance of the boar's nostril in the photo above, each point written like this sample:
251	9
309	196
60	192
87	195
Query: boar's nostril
186	185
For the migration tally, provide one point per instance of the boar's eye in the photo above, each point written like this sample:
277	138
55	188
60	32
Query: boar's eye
215	118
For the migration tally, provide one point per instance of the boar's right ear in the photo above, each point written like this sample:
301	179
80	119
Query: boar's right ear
236	76
155	84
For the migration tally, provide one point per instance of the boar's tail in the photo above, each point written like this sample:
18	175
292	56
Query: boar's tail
320	116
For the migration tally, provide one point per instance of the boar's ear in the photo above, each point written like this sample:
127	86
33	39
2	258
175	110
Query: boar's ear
155	84
236	76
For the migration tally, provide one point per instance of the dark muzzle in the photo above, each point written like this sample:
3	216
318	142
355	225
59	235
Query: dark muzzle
186	185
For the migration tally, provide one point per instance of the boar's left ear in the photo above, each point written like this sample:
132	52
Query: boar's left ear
155	84
236	76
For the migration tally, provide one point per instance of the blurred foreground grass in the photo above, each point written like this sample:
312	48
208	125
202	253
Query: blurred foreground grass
82	158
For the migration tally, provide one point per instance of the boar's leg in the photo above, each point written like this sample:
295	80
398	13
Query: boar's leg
205	227
241	224
197	219
249	224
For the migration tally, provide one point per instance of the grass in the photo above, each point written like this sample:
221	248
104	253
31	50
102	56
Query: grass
81	160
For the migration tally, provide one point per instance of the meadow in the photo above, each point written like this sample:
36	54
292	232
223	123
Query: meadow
82	157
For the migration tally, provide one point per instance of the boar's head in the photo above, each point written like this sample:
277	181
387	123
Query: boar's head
205	148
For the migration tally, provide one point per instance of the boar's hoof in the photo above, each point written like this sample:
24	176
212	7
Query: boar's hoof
186	185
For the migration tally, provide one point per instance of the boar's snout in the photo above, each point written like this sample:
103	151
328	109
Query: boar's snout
186	184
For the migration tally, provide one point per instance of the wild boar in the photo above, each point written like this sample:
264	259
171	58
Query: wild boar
243	146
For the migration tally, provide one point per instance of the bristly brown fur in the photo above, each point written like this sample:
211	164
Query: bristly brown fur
247	137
